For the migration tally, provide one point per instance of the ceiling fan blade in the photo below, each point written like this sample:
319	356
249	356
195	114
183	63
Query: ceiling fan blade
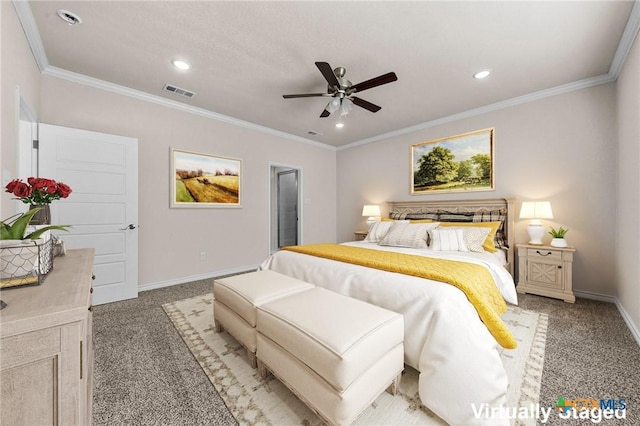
328	74
376	81
325	113
304	95
365	104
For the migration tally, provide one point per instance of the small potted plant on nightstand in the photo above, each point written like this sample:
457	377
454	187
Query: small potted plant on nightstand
558	237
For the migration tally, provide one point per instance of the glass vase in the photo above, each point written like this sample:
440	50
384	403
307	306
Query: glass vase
42	216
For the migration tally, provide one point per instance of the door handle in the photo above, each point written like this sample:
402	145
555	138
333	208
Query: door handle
131	226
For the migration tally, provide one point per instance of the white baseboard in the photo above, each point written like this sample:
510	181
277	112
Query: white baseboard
627	318
595	296
182	280
612	299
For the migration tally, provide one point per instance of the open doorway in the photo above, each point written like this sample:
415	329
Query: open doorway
286	217
27	137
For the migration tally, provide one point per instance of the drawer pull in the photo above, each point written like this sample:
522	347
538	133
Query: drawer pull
91	290
93	276
547	254
90	308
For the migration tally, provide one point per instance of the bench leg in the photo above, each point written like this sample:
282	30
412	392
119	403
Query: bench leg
395	385
218	325
253	361
263	370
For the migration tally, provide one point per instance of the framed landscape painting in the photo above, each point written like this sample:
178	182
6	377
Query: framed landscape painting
202	180
456	163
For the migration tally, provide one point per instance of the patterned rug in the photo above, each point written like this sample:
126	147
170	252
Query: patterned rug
253	401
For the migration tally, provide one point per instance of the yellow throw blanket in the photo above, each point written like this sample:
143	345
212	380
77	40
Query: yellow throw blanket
474	280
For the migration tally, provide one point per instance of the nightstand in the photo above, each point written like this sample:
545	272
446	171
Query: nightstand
546	271
360	235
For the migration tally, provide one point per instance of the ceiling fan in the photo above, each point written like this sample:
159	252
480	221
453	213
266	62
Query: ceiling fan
342	90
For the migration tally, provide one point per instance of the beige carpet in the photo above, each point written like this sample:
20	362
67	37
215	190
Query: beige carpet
256	402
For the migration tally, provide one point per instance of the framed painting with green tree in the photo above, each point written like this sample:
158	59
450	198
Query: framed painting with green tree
202	180
460	163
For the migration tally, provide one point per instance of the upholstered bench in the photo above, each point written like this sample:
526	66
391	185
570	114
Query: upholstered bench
337	354
236	299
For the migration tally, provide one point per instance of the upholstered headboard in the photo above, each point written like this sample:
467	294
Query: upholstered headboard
484	210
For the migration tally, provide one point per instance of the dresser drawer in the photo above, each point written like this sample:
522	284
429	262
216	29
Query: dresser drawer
544	253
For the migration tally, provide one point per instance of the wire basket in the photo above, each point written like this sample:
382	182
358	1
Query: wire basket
25	262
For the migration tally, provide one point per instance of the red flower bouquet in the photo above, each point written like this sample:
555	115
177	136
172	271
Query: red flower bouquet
38	190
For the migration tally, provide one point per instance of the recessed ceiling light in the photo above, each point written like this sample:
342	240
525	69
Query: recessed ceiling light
69	17
181	64
482	74
339	125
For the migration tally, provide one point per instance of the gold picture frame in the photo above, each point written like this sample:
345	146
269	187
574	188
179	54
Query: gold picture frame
203	180
460	163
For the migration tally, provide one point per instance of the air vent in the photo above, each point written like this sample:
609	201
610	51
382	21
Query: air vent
313	133
69	17
178	91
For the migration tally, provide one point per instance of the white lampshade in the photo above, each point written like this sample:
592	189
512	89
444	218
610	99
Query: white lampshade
371	210
536	210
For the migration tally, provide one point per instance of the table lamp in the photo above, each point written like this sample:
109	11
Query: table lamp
536	210
372	211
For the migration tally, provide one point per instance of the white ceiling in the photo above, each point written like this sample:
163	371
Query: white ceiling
246	55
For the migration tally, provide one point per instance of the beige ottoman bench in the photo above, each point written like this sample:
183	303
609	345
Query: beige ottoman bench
337	354
236	299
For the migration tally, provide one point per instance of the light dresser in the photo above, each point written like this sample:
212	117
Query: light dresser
46	352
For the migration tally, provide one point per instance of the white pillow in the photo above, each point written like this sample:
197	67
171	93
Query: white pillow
377	231
474	237
447	239
412	235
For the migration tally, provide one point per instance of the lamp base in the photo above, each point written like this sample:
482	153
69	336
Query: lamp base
536	232
370	221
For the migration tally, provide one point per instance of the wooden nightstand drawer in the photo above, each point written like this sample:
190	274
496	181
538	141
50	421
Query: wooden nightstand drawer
544	253
360	235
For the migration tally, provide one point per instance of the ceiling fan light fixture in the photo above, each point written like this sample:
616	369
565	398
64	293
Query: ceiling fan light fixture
345	106
339	125
333	105
340	90
482	74
180	64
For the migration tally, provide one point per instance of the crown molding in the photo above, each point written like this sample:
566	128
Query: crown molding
531	97
626	41
25	16
159	100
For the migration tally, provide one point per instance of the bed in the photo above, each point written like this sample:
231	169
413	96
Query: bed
445	340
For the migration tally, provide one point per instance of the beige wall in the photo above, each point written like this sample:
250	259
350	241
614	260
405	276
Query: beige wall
172	239
561	149
20	78
628	242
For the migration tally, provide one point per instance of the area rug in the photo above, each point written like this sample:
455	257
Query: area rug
254	401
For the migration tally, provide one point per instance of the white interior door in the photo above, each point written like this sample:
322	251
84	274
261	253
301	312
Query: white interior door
102	171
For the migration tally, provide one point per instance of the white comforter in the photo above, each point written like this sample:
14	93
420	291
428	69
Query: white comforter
445	340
